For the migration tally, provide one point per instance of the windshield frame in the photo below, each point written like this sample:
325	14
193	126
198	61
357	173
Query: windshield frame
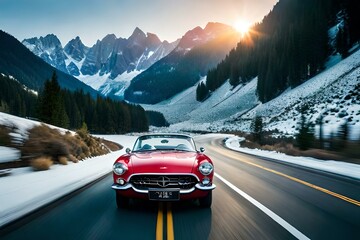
188	141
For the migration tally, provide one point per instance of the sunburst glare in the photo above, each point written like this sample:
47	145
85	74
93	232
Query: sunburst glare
242	26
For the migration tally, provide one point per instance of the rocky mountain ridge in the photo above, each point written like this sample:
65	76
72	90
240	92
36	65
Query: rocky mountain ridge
199	50
106	65
19	62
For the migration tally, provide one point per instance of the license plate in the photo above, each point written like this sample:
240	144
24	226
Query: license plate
164	194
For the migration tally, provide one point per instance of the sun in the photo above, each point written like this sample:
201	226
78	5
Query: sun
242	26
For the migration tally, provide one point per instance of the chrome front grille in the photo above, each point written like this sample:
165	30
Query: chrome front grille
144	182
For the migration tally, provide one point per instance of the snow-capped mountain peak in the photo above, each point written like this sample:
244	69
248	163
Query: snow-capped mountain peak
137	36
108	64
49	48
76	49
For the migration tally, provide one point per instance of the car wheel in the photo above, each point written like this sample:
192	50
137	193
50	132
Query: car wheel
205	202
121	201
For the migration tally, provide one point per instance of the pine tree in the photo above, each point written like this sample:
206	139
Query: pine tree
342	41
201	92
234	75
156	119
198	93
52	106
257	127
321	130
343	134
62	119
305	137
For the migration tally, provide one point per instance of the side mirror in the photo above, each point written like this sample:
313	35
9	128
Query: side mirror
128	150
202	149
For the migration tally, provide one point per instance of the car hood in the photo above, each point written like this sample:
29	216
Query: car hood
163	162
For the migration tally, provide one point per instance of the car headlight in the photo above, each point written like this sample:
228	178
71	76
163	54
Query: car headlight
206	168
119	168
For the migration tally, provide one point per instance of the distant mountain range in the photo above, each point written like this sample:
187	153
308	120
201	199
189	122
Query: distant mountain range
109	64
17	61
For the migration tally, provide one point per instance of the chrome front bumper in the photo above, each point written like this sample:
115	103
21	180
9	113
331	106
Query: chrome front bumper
182	191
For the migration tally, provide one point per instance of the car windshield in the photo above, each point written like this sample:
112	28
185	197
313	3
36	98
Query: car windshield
164	142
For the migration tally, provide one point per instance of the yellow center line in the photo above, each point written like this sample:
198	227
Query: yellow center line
334	194
159	223
169	223
170	228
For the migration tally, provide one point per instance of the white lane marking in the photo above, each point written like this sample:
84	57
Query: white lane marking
296	233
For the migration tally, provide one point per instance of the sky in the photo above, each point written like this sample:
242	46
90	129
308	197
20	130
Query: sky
94	19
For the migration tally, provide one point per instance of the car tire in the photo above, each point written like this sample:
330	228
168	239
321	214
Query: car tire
121	201
205	202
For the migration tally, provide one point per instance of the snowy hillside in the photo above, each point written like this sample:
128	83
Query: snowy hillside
335	93
221	105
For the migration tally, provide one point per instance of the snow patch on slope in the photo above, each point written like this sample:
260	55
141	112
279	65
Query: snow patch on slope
94	81
108	86
185	113
70	59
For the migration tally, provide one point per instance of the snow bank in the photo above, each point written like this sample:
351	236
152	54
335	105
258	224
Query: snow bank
337	167
25	190
22	125
8	154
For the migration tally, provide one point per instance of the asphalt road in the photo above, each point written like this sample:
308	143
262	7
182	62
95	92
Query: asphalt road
255	198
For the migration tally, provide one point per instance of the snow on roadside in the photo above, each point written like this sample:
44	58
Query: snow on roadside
8	154
337	167
22	125
26	190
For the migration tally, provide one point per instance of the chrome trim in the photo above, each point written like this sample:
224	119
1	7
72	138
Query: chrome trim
166	134
164	181
119	187
164	189
205	188
181	174
129	185
174	135
182	191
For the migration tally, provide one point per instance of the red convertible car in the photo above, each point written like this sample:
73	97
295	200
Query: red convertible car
164	167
